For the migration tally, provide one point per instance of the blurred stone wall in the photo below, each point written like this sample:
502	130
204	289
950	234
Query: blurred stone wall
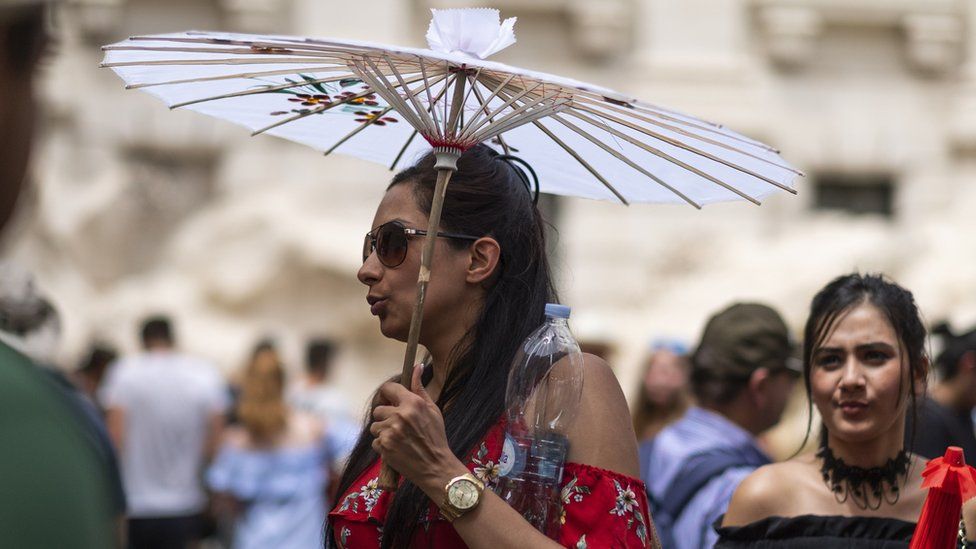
139	209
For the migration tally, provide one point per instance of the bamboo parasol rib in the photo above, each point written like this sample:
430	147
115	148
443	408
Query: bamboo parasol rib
625	160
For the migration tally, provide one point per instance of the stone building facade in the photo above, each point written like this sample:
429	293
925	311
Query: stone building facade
138	209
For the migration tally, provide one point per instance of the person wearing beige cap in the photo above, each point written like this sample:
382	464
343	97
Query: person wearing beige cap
742	374
53	492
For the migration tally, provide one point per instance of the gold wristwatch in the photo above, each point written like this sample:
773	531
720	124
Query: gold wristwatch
461	494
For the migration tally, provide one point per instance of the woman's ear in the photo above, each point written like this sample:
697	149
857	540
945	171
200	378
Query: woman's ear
485	254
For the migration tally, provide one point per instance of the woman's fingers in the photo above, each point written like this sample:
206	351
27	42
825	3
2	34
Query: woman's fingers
377	427
393	393
383	412
388	434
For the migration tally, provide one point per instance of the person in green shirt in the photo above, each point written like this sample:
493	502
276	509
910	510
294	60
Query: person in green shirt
53	491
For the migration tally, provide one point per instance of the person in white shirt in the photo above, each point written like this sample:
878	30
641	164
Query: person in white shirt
165	412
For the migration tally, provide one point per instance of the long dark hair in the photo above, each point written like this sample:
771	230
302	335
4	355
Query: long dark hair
485	197
897	304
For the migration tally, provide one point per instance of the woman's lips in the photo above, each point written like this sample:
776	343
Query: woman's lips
377	306
852	408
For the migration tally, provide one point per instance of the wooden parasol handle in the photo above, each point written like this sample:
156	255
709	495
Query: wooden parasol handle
446	166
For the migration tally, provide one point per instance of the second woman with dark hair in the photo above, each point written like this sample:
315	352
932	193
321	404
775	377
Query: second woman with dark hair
490	282
864	362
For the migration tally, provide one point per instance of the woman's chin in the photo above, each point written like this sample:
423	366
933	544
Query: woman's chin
854	432
394	330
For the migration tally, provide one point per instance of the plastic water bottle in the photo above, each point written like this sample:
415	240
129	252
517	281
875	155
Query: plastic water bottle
542	398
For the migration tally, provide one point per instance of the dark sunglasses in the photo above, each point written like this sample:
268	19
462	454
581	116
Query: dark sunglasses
390	239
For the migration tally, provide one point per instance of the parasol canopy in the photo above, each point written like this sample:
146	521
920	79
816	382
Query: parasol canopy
373	101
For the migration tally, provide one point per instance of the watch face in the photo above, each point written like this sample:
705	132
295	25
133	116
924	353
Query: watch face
463	494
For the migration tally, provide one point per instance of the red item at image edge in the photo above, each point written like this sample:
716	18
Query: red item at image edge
950	482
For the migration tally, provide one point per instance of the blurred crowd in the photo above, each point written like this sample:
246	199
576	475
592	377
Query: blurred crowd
195	459
188	454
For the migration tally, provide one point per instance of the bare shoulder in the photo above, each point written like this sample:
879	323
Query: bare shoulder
769	490
599	370
603	435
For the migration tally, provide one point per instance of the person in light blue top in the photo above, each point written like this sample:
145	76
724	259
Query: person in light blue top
271	473
742	374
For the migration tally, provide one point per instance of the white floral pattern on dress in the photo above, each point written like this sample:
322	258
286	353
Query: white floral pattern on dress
572	492
626	500
627	505
370	494
351	501
486	470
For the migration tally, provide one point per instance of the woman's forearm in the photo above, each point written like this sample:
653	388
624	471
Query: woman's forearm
494	524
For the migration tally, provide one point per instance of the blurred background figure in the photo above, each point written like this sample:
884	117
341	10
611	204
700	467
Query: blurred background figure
57	490
314	392
234	387
165	411
90	373
271	473
742	375
42	415
664	393
945	416
30	324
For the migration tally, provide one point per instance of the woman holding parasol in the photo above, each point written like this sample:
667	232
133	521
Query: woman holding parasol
864	364
488	279
490	283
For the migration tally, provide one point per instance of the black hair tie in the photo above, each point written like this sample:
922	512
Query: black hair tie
512	161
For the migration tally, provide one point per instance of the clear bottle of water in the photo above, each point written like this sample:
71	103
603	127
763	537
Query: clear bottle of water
542	398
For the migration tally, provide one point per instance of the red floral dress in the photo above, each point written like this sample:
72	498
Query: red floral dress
600	508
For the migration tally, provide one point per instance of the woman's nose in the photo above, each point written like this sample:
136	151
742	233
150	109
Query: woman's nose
371	270
853	377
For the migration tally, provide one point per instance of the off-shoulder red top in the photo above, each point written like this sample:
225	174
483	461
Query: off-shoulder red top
601	508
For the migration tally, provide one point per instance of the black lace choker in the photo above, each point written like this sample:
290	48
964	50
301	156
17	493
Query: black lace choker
868	487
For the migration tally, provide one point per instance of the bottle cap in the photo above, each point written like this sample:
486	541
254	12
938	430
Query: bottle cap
556	310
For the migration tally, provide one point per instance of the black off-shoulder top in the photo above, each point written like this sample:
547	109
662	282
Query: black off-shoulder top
818	532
